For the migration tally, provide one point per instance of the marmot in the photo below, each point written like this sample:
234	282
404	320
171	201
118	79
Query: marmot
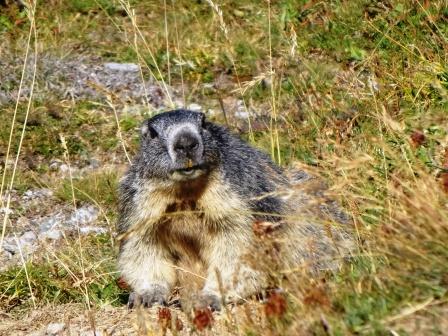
194	190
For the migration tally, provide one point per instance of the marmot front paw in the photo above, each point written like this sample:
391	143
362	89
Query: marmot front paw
148	299
208	300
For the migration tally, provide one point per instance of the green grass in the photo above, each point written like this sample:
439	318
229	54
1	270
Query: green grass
99	188
353	81
61	279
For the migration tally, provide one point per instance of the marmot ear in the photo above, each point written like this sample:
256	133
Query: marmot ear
203	120
148	130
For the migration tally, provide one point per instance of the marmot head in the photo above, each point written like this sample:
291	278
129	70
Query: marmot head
178	146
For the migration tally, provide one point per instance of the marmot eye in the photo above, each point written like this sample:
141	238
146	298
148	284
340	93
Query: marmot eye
203	121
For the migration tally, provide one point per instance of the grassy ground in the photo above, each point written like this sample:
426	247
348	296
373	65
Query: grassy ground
355	90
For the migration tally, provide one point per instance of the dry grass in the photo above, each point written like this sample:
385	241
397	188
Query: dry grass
355	91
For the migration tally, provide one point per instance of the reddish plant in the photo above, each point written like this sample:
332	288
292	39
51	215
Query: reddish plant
203	318
179	324
164	318
276	305
417	138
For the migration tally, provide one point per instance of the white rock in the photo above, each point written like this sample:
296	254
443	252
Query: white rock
63	168
55	328
37	193
53	234
241	115
124	67
92	229
5	210
195	107
28	237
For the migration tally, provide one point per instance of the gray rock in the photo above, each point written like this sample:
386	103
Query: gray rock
51	222
123	67
79	78
83	215
25	243
37	193
55	328
53	234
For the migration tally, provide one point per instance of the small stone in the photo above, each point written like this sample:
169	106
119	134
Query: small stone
5	210
63	168
37	193
92	229
54	165
53	234
94	163
373	84
242	115
28	237
55	328
195	107
123	67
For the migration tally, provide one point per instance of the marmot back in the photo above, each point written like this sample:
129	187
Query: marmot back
195	194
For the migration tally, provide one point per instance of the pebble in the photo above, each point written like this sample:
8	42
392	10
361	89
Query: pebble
124	67
92	229
53	234
242	115
55	328
5	210
37	193
195	107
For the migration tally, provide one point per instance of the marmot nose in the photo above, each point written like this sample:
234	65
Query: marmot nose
186	144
